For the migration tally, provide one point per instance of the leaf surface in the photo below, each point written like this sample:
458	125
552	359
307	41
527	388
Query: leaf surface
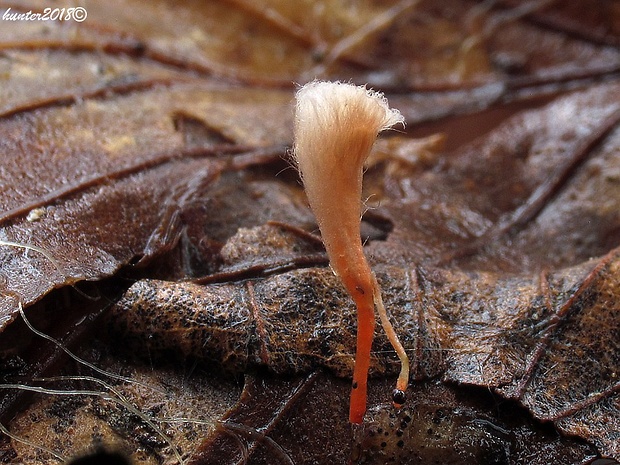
144	150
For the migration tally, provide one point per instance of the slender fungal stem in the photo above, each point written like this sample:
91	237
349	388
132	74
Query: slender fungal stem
336	126
365	333
398	396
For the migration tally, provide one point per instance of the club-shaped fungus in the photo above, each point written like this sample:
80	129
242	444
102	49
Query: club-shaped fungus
336	125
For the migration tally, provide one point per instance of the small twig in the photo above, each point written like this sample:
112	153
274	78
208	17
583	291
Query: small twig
256	435
376	24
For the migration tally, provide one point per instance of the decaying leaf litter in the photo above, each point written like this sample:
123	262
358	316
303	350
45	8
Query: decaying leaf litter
542	226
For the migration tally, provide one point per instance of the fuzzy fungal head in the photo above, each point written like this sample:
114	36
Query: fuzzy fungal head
336	125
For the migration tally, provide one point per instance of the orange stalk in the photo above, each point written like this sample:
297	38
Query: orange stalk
336	125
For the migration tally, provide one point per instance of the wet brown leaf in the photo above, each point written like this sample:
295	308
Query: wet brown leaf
496	313
154	135
93	178
455	427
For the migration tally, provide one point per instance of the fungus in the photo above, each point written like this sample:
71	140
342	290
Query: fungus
336	125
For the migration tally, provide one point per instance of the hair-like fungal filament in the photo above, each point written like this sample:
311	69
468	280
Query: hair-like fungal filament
336	125
40	250
109	392
28	442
